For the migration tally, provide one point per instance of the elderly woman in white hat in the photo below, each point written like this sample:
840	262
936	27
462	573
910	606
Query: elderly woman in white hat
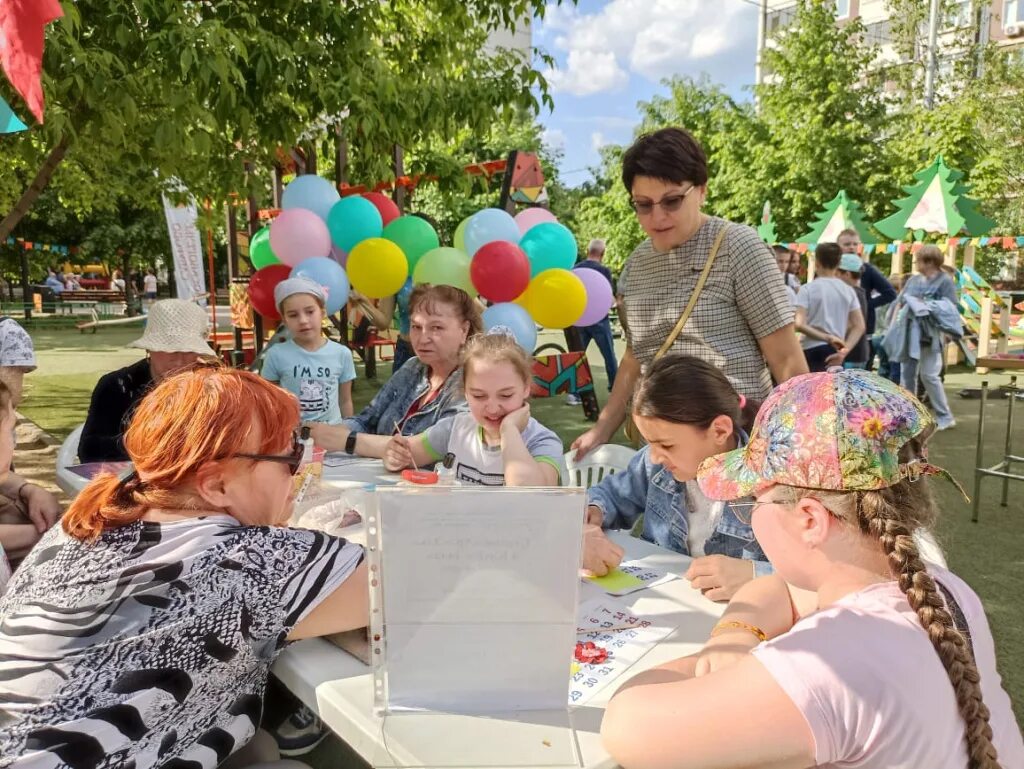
174	339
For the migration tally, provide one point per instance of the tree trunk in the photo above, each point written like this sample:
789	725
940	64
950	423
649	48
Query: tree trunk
31	194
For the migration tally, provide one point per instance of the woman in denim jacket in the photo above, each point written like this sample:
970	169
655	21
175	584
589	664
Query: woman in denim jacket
687	411
426	389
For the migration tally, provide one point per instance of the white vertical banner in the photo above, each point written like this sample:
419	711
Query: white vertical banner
186	249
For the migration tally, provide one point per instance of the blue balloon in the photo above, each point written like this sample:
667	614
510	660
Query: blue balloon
489	225
352	220
329	274
507	316
311	192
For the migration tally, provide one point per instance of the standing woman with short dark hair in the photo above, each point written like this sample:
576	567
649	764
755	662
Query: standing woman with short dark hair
741	319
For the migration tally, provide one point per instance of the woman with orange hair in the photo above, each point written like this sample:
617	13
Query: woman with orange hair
141	631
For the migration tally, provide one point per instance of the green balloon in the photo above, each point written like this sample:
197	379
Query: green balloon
260	253
459	239
445	267
413	235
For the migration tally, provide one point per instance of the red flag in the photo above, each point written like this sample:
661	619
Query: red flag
22	27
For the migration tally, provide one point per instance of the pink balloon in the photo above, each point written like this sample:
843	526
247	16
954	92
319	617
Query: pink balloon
599	296
530	217
297	234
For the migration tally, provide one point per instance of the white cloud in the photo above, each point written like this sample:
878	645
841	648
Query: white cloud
597	141
652	38
554	139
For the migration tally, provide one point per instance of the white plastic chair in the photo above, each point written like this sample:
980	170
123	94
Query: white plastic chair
69	482
606	459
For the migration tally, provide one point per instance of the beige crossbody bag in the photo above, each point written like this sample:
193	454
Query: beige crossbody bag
630	428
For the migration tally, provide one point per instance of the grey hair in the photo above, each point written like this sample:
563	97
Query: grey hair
596	244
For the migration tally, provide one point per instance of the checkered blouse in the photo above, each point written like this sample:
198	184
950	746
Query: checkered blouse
743	300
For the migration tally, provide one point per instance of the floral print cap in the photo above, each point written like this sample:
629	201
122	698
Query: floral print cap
835	431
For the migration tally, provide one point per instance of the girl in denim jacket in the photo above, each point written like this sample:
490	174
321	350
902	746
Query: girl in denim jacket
687	411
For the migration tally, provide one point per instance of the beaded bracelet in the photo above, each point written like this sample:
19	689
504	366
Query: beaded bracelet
727	625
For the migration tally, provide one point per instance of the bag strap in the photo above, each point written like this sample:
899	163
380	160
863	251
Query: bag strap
959	619
695	295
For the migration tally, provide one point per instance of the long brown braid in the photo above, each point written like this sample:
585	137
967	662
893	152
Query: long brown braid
892	515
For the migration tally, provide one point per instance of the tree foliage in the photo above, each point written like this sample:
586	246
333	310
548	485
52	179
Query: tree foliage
192	89
830	119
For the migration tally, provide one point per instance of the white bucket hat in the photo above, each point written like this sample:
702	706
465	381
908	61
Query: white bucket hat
175	325
298	285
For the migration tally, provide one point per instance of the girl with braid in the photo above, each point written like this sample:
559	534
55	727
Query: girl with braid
855	653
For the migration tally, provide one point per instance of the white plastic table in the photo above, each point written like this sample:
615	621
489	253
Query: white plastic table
339	687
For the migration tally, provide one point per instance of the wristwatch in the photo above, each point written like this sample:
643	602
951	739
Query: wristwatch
350	443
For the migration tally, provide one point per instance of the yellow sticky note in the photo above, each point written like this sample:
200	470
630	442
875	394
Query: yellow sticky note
616	580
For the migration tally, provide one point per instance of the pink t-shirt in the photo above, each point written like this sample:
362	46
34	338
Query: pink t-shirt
874	692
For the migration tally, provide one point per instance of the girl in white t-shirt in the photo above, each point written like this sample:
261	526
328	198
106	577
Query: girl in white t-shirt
855	653
497	443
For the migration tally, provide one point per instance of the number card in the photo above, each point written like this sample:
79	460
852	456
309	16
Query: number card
630	577
626	637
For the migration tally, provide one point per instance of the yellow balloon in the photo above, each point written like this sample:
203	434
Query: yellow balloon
377	268
555	298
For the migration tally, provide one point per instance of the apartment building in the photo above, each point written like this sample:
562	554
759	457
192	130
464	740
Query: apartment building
997	21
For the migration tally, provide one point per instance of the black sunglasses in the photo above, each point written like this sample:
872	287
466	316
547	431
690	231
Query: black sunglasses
293	459
669	203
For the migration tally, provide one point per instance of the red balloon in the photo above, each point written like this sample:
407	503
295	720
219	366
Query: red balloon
500	271
384	204
261	289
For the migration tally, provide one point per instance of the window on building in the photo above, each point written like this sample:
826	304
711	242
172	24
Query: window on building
780	20
959	14
1013	12
842	9
879	33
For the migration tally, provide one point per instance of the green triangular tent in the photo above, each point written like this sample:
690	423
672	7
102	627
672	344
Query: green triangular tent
937	203
766	229
840	213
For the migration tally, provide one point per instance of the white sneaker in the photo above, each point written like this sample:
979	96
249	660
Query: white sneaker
572	400
946	425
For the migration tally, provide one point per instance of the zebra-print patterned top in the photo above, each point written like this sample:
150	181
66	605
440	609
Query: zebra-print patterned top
152	646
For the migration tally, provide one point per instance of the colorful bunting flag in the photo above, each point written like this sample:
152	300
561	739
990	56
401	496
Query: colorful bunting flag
22	31
9	122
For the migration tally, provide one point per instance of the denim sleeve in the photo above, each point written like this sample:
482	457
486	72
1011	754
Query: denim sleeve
622	497
762	568
948	291
366	420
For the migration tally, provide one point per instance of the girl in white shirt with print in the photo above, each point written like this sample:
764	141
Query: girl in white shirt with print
497	443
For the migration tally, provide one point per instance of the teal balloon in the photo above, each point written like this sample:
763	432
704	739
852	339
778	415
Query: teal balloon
445	266
260	253
550	246
414	236
353	220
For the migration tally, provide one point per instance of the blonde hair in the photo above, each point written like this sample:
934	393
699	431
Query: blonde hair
892	515
497	348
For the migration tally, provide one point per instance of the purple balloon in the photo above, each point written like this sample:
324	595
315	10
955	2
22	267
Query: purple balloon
338	255
599	296
298	234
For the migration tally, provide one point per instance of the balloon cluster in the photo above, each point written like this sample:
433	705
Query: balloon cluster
523	265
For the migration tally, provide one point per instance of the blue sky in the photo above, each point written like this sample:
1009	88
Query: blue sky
612	54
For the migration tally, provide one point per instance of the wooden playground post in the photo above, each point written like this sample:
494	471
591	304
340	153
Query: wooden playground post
896	266
969	254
